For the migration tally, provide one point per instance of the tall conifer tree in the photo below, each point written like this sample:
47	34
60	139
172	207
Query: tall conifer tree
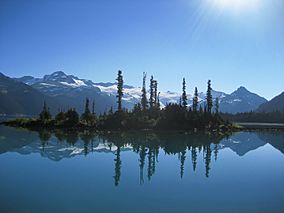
217	105
87	110
158	101
45	114
93	108
195	100
144	102
119	90
151	101
184	97
209	97
155	85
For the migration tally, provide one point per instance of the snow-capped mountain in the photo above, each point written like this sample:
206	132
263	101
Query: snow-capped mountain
66	87
58	83
131	94
70	91
241	100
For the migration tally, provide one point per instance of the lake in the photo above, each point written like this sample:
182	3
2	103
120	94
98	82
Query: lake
145	172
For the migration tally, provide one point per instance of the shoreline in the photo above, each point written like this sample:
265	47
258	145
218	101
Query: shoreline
260	124
235	127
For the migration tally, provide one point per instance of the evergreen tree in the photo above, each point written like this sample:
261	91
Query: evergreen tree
151	101
158	101
209	97
87	116
93	115
144	102
200	109
205	109
87	103
119	90
155	86
217	105
195	100
180	101
110	111
137	108
45	114
184	97
93	108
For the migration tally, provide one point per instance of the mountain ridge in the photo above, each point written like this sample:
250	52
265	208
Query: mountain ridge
72	91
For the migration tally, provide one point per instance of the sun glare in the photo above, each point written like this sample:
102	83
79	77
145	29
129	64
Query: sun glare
237	5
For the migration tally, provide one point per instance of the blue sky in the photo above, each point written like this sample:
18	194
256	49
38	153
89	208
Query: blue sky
230	43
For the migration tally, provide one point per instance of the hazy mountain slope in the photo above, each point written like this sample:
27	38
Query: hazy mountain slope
19	98
276	104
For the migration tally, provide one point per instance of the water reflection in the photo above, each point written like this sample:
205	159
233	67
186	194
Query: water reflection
60	145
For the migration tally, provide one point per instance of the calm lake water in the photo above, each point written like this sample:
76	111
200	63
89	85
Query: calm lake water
83	172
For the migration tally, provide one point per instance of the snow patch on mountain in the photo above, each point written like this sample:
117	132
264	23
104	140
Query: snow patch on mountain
77	83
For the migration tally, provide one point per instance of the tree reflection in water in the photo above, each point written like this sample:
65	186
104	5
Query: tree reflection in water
146	145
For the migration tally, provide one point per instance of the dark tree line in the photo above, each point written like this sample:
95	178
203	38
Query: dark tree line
147	114
268	117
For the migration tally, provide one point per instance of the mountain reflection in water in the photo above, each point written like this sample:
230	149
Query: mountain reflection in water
60	145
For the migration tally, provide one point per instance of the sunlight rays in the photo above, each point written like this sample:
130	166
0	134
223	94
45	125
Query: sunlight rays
238	6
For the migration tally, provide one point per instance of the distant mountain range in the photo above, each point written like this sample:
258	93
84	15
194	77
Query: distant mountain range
62	91
240	100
